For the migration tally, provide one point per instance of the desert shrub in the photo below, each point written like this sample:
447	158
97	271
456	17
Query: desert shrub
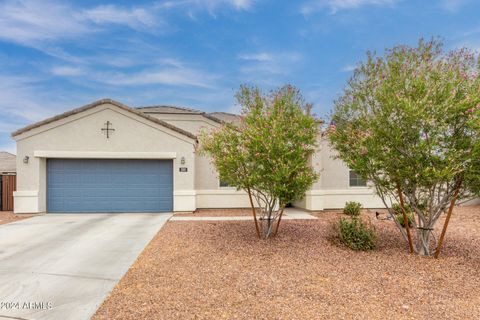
352	208
399	218
397	210
356	234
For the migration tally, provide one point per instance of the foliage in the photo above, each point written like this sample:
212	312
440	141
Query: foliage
398	214
399	218
352	208
411	119
268	153
397	209
356	234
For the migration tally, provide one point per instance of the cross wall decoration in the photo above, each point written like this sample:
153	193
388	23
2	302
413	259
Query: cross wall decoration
108	130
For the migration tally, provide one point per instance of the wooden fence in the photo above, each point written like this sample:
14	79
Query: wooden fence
8	185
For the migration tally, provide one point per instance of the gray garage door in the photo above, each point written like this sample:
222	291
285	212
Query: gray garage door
94	185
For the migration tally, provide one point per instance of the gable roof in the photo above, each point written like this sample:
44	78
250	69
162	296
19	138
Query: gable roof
97	103
168	109
227	117
8	162
165	109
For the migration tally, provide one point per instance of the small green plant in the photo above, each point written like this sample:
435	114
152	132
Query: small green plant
397	210
356	234
399	218
352	208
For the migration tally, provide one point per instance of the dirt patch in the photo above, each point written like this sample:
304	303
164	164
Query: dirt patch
219	270
7	217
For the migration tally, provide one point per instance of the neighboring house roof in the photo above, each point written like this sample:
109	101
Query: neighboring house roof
227	117
168	109
162	109
97	103
8	162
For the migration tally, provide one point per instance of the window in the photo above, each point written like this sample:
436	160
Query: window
356	180
222	183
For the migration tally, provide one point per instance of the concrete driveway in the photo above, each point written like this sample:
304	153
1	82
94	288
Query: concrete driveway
62	266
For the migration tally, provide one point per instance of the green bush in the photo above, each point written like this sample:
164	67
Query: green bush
397	210
352	208
356	234
399	218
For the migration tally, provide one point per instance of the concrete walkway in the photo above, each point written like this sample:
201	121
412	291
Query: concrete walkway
62	266
289	214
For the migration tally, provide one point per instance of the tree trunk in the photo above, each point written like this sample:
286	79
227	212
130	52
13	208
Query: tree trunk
405	218
279	220
423	242
254	212
268	227
447	220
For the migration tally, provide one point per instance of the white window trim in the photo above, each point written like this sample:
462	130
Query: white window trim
225	187
356	187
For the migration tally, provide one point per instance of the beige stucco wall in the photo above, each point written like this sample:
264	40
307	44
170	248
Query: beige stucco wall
209	194
332	189
335	173
80	136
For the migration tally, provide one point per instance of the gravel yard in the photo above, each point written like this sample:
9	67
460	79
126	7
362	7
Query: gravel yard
219	270
7	217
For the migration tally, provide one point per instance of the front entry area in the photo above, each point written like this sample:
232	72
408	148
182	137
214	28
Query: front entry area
109	185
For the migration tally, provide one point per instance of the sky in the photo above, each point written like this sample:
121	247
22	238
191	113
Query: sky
59	55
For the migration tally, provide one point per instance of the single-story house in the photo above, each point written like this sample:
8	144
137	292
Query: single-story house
108	157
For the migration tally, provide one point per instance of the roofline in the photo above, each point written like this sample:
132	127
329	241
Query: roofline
213	118
190	110
14	155
95	104
229	113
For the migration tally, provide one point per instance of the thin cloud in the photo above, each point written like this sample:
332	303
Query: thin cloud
338	5
163	71
136	18
242	4
15	100
267	68
25	101
41	24
67	71
31	22
269	63
453	6
348	68
192	8
209	5
269	56
166	76
262	56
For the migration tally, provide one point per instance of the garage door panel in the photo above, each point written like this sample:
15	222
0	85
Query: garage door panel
94	185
